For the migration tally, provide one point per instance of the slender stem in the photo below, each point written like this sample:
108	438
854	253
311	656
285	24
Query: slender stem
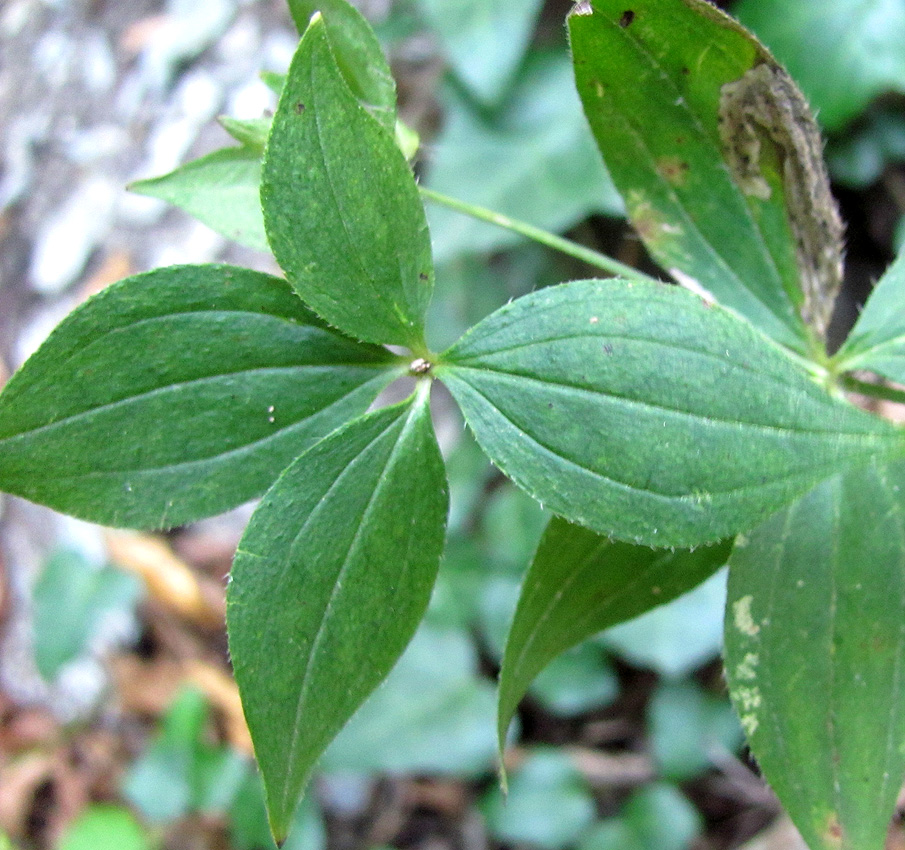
873	390
551	240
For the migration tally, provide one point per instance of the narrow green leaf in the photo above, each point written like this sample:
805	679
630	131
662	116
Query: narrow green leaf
580	584
331	578
843	52
716	155
644	413
877	342
273	81
815	653
358	55
250	132
220	189
178	394
341	207
470	31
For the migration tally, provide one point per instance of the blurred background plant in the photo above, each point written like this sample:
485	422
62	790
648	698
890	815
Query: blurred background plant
119	724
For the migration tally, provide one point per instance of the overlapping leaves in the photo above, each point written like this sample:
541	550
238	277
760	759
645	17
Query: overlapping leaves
178	394
826	722
656	83
645	414
639	412
329	219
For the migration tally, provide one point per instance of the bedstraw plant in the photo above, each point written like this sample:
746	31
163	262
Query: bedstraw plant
669	429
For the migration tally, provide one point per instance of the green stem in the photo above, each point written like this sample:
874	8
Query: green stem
551	240
873	390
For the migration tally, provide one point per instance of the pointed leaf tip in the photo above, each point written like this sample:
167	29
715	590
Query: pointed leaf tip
344	576
580	584
341	209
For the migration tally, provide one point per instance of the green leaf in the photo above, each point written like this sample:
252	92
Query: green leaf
249	132
178	394
470	32
220	189
548	804
716	155
535	161
358	55
643	413
427	717
877	342
163	784
689	729
826	722
677	638
842	52
73	599
662	817
656	817
249	830
612	834
580	584
579	680
182	771
341	555
341	208
104	827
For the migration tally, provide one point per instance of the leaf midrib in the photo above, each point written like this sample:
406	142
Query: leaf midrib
322	626
73	418
867	438
662	497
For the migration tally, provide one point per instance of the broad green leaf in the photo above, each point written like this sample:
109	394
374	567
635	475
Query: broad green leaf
580	584
548	804
656	817
535	161
72	601
359	56
611	834
690	729
677	638
427	717
220	189
644	413
182	771
579	680
842	52
178	394
341	555
716	155
877	342
815	649
341	207
662	817
104	827
484	40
